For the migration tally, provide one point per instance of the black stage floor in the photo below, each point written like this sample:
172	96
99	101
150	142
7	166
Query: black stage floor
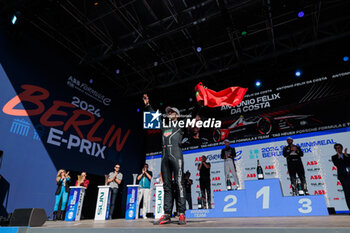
336	224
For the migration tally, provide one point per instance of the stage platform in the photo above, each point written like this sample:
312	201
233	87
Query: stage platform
326	224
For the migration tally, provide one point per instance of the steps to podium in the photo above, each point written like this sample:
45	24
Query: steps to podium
261	198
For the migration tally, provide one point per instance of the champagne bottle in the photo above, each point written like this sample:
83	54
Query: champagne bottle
228	185
300	189
259	171
199	199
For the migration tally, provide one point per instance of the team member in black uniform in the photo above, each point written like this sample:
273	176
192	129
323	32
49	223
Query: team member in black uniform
204	182
293	153
188	184
342	162
172	163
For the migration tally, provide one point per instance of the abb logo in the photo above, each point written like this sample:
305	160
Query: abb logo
251	175
269	167
198	186
311	163
338	183
216	178
217	190
209	157
316	177
233	183
334	168
319	192
336	198
197	174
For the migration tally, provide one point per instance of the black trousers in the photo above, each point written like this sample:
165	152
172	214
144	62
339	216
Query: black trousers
172	164
189	200
295	168
206	192
113	199
345	182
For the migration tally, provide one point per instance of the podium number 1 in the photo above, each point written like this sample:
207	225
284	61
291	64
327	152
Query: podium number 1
265	192
228	207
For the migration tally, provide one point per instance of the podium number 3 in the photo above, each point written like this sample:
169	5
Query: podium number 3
228	207
305	206
265	192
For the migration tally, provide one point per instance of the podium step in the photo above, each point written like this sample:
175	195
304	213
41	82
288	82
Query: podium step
261	198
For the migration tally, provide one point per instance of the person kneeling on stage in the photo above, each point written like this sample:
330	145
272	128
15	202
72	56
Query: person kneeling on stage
172	163
204	182
114	180
342	162
293	153
228	154
62	180
145	191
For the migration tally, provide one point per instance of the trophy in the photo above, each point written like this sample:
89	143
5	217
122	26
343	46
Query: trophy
106	179
135	176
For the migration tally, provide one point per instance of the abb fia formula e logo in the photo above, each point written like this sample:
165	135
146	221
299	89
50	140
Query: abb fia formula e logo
215	157
210	157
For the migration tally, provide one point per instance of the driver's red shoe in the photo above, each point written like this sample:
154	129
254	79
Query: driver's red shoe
162	220
182	219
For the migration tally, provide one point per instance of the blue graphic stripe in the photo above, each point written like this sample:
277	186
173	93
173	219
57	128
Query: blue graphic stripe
342	212
242	144
9	229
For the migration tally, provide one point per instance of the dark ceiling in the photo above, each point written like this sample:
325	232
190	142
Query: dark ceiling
153	43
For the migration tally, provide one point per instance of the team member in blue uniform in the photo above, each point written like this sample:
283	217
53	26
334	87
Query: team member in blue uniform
145	180
172	164
62	180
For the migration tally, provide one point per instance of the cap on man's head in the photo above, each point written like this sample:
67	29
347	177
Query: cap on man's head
168	109
289	138
226	140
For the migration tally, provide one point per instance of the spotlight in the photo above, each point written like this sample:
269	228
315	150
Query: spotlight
91	81
14	19
301	14
155	63
161	104
138	110
95	3
190	99
298	73
117	71
199	49
346	58
244	33
257	83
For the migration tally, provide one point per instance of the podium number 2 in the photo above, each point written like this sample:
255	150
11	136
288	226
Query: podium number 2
305	206
228	207
265	192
